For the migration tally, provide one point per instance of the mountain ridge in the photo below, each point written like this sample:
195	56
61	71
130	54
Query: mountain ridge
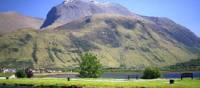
12	21
64	13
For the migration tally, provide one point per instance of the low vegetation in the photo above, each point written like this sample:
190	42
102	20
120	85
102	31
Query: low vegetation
104	83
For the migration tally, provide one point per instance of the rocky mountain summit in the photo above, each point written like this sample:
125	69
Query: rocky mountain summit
71	10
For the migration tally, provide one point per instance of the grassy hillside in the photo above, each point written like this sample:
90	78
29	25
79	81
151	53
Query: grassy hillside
118	41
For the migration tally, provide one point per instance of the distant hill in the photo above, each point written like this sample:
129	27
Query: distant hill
119	38
12	21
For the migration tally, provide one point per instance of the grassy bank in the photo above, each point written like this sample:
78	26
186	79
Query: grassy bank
104	83
5	74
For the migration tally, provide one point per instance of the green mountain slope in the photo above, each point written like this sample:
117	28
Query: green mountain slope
118	41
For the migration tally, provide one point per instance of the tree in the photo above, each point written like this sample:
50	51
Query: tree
90	66
29	73
151	73
1	68
20	74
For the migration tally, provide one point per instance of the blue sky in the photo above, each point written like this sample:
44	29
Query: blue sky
184	12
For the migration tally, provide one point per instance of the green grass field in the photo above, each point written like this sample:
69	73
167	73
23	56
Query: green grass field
104	83
5	74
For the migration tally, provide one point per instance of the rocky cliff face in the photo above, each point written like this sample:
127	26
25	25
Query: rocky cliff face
75	9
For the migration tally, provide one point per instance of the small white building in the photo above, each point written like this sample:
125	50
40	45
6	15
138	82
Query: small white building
9	70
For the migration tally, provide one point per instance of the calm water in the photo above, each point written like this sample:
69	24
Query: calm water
178	75
134	75
125	75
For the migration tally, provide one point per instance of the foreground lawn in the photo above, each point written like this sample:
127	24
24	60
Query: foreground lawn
104	83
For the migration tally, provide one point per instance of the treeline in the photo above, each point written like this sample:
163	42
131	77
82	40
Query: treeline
192	65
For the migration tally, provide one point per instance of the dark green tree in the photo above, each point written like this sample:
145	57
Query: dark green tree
151	73
90	66
20	74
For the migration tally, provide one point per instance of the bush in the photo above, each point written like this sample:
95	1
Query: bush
151	73
20	74
29	73
90	67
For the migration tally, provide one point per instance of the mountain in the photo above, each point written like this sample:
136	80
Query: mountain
177	31
12	21
119	38
75	9
132	42
119	41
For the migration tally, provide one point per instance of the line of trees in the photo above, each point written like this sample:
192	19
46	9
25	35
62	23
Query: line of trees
90	67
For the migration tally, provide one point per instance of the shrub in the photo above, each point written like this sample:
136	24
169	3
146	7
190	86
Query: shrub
90	67
29	73
20	74
151	73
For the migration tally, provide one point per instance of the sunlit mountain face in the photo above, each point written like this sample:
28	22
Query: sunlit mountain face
71	10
